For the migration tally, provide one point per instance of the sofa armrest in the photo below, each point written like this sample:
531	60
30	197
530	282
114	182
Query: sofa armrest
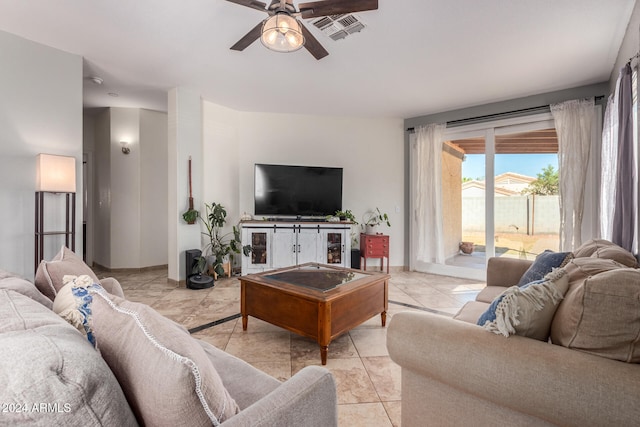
306	399
112	286
502	271
546	381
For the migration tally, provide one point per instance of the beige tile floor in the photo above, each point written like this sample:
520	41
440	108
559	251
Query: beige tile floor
368	382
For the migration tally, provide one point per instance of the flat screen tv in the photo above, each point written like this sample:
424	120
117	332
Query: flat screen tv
297	190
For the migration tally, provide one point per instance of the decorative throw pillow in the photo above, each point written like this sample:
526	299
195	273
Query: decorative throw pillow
604	249
50	274
588	248
544	264
164	373
527	310
579	269
72	305
601	316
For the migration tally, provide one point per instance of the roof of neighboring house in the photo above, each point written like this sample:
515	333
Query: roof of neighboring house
481	185
513	178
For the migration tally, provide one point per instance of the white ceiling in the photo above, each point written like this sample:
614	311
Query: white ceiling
415	57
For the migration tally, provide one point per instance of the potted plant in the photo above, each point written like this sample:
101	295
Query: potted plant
347	215
221	246
372	219
191	216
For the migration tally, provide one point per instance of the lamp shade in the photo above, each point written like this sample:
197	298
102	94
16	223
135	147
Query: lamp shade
55	174
282	33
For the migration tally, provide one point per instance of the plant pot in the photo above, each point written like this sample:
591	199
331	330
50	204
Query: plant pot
370	229
466	247
355	259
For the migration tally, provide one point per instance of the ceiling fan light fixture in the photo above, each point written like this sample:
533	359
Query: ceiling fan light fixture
282	33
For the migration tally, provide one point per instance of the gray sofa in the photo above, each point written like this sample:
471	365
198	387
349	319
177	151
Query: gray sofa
456	373
51	375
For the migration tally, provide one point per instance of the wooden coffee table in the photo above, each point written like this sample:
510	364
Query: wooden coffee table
314	300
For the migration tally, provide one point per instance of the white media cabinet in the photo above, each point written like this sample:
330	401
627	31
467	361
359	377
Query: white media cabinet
277	244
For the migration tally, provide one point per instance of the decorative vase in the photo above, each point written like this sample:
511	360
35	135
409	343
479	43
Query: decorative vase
371	228
466	247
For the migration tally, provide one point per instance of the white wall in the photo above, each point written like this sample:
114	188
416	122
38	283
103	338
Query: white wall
629	47
153	188
125	188
369	149
131	194
40	112
102	189
184	140
221	161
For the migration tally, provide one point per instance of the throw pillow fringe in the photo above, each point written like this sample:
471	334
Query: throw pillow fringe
507	311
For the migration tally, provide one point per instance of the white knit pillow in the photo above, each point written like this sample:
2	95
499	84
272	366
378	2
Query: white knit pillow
528	310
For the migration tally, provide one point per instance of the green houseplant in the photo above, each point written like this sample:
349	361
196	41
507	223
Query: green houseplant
372	219
221	246
191	216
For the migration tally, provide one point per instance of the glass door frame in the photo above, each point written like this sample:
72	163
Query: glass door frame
489	130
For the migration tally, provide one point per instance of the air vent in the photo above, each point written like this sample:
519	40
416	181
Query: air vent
339	35
338	27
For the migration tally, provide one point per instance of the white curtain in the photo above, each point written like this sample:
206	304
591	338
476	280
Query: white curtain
428	204
574	121
609	164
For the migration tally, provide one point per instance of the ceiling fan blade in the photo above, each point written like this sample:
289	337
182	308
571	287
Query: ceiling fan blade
312	44
335	7
253	4
249	38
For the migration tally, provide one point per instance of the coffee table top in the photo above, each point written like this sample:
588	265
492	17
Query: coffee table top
315	276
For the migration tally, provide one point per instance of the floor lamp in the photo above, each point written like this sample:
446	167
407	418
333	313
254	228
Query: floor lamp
55	174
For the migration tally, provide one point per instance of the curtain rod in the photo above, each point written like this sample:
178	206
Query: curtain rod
505	115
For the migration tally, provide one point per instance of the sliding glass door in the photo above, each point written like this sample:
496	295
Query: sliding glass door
491	205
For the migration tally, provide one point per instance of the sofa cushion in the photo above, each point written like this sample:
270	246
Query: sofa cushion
604	249
50	273
601	315
489	293
579	269
527	310
544	264
50	375
165	374
16	283
471	311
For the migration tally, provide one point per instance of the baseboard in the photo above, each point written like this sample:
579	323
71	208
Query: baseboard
129	270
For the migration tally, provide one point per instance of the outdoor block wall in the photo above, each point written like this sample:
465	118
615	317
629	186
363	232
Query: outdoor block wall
531	215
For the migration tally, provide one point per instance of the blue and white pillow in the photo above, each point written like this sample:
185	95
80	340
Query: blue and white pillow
544	264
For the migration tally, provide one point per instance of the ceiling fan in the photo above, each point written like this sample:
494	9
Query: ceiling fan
283	32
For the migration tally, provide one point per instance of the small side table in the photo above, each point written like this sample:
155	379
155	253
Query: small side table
374	246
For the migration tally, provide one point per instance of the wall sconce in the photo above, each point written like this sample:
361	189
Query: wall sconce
125	147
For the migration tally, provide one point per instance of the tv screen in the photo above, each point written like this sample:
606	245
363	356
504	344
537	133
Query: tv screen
297	190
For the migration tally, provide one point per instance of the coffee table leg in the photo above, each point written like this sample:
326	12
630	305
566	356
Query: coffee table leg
383	315
324	350
245	318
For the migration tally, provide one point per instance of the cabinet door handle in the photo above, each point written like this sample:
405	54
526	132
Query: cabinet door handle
342	248
298	248
294	249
